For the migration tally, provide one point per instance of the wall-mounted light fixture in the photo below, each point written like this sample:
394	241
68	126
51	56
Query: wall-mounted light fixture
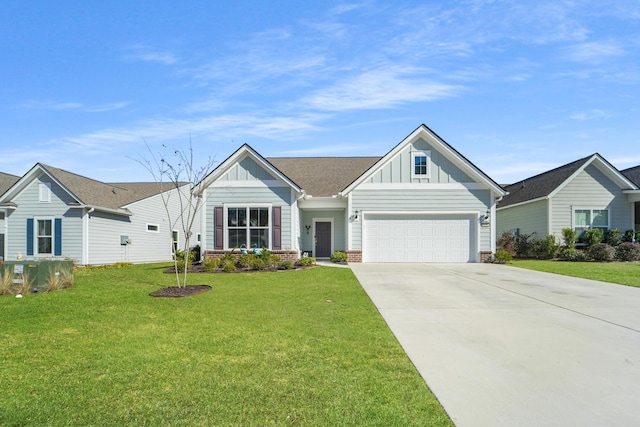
486	217
356	215
308	227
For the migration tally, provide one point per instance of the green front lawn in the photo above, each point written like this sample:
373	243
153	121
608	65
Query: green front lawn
623	273
303	348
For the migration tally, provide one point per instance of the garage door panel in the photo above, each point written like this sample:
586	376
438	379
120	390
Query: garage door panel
418	238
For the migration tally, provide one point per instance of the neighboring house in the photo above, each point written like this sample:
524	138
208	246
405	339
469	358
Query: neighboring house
587	193
421	202
52	213
6	181
634	175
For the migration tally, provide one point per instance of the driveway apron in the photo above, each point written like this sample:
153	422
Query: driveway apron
502	346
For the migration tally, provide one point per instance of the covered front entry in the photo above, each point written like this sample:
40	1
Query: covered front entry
419	238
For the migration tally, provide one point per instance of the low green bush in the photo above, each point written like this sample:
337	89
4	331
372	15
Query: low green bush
180	266
601	252
593	236
572	254
286	265
210	264
628	251
629	236
613	237
257	263
229	266
306	261
569	237
339	257
502	257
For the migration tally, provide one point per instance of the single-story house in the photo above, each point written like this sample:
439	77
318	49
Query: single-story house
6	181
634	175
421	202
55	214
586	193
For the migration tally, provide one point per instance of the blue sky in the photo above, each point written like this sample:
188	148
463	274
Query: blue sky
518	87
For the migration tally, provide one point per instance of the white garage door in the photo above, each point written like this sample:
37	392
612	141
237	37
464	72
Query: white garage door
418	238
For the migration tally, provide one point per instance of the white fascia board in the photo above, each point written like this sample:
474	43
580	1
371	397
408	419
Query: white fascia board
423	186
632	195
237	157
322	203
499	208
28	178
423	132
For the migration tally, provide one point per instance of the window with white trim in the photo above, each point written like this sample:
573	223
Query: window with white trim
44	236
44	190
420	164
174	239
584	219
248	226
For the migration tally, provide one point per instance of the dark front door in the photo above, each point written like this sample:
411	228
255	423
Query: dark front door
323	240
2	245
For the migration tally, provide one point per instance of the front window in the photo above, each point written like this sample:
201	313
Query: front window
174	239
420	164
584	219
45	236
248	226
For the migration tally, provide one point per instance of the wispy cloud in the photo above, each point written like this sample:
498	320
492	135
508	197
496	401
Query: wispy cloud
594	52
149	54
590	115
76	106
380	88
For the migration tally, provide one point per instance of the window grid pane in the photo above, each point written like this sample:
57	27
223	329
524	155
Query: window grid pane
420	165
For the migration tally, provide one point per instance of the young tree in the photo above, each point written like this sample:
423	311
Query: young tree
177	175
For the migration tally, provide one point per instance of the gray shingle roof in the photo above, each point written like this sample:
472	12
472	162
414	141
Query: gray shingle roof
540	185
323	176
7	181
101	194
633	174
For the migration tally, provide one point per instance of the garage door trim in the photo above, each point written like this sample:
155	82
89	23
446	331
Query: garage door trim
473	216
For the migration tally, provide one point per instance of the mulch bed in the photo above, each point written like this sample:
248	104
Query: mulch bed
179	292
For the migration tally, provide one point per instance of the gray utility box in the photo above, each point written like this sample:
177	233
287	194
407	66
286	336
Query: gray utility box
42	275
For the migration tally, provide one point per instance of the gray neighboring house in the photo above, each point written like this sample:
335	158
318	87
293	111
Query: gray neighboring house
421	202
52	213
587	193
6	182
634	175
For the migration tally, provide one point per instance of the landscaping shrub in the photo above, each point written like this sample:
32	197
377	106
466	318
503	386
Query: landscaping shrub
569	237
306	261
601	252
613	237
507	242
272	262
628	251
593	236
210	264
229	266
572	254
180	265
257	263
245	260
339	257
502	257
523	245
286	265
629	236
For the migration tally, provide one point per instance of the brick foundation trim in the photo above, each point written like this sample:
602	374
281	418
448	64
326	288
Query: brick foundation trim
285	255
354	256
486	256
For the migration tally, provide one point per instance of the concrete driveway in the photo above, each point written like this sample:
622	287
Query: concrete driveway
504	346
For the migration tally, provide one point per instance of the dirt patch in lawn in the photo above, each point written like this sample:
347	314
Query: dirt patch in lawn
179	292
